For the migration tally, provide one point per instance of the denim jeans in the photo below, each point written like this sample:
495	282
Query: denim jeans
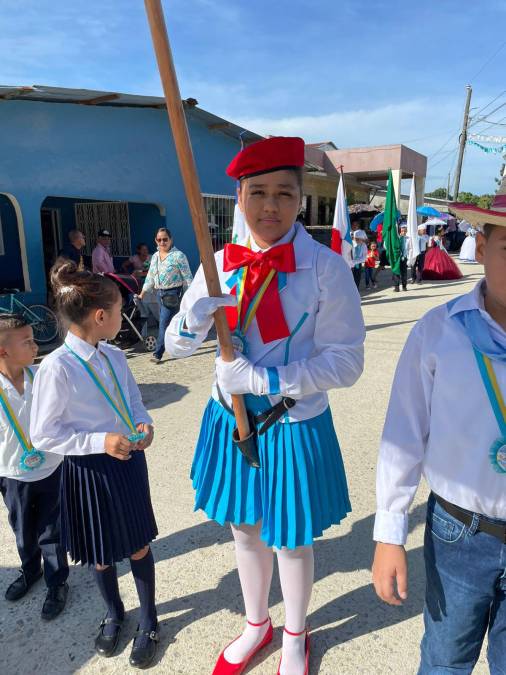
370	276
465	596
166	315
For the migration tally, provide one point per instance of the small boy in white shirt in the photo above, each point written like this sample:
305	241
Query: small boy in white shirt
457	349
29	480
359	251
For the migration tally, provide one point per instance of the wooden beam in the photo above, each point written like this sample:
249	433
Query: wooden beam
219	125
99	99
17	93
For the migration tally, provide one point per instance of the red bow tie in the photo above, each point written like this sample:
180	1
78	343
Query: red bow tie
270	317
281	258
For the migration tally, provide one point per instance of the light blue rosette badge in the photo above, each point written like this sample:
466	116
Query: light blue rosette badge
498	455
31	460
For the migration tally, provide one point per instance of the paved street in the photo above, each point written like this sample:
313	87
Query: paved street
198	592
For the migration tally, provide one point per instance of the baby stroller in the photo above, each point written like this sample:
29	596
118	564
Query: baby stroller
136	314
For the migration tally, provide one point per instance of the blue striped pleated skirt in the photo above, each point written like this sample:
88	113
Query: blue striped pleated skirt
299	491
106	508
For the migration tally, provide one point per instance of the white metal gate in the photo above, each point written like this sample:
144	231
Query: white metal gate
113	216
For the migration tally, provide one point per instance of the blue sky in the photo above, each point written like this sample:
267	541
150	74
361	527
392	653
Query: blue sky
358	72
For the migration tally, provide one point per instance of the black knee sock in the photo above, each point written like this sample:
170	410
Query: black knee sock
143	571
107	582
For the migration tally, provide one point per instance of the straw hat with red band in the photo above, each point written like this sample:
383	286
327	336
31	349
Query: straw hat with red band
272	154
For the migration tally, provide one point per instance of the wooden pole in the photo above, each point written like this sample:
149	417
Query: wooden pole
192	187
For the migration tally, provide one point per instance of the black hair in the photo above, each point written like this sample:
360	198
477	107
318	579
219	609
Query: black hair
78	293
10	322
164	229
139	246
297	170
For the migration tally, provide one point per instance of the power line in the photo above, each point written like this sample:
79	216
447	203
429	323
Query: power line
445	156
491	124
434	154
488	61
490	103
484	119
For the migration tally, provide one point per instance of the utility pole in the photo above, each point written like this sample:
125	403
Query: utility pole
448	188
463	140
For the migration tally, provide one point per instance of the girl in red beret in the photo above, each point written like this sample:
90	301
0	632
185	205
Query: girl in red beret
297	326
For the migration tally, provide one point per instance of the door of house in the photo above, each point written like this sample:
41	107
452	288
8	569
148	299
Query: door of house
51	237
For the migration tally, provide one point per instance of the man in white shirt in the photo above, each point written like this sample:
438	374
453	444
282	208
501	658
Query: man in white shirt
457	347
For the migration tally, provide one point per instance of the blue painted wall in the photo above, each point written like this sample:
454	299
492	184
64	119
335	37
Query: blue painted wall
103	153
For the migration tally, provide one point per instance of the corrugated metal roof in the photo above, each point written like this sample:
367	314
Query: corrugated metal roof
92	97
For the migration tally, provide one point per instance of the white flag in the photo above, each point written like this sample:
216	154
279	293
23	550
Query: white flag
414	246
341	228
240	230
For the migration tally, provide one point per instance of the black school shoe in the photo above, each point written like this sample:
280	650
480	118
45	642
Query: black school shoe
20	587
55	601
106	645
144	648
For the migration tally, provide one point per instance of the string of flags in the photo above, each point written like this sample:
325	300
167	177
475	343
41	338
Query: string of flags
497	150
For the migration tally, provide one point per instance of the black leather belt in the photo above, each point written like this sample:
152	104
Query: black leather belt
497	530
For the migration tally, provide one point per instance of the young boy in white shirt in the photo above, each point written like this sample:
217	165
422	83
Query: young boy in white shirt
29	480
455	350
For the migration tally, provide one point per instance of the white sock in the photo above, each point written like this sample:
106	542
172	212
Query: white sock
255	564
296	574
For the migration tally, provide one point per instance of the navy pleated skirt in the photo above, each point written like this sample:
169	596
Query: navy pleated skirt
299	491
106	508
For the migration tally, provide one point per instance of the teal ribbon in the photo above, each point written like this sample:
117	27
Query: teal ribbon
14	425
492	394
104	391
499	150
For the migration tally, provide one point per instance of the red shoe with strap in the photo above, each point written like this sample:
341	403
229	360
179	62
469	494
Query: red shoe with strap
308	649
223	667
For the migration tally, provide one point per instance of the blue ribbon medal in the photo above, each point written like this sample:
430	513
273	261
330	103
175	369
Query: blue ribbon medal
120	406
31	459
497	451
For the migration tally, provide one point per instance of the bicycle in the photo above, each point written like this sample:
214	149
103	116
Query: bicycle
43	320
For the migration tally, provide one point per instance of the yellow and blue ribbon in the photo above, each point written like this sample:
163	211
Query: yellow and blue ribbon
30	459
120	406
498	449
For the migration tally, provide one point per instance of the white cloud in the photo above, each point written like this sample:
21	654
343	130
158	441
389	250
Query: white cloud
422	124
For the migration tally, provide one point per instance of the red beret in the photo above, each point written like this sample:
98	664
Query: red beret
272	154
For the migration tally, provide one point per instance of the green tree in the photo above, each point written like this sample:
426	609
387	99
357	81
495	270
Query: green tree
485	201
438	193
468	198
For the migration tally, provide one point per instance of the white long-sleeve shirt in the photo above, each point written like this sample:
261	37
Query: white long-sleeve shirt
322	309
70	416
11	450
440	423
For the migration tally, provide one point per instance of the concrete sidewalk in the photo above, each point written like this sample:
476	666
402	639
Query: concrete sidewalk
198	592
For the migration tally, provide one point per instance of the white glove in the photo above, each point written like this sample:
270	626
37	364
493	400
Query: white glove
241	376
200	317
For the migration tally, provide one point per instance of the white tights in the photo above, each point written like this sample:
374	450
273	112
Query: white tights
296	571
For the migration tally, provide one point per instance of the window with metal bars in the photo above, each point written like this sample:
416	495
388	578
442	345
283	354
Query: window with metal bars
220	218
113	216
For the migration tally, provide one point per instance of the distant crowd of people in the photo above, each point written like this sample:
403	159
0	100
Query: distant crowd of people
431	262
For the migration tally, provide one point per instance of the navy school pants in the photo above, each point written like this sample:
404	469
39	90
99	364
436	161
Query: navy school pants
34	515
